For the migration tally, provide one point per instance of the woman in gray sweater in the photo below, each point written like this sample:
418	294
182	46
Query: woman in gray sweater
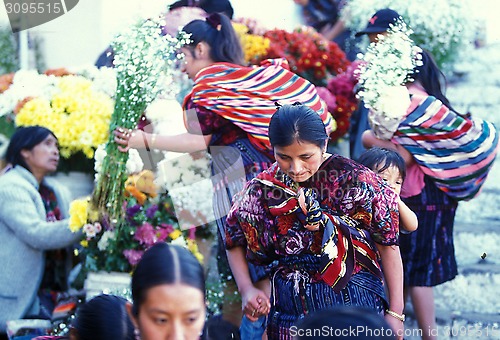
33	219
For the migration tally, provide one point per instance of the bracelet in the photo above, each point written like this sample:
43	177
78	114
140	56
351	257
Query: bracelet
400	317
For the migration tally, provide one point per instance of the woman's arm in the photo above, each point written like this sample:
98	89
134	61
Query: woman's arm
138	139
254	301
330	32
29	226
370	140
407	218
392	268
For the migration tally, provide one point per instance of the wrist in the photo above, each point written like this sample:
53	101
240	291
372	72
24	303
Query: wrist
152	141
401	317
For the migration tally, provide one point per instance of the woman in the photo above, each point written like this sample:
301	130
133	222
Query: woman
228	110
168	293
309	198
33	219
103	317
441	171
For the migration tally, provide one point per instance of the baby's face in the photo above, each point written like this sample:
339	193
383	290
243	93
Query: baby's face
392	177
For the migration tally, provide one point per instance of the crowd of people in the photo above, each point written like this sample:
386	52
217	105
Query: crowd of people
308	238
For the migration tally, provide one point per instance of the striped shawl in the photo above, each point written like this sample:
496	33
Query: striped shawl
455	151
246	96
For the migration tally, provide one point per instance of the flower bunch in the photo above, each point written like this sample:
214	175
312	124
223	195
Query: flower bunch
63	100
148	218
67	113
144	60
387	66
444	28
188	181
308	53
254	46
342	87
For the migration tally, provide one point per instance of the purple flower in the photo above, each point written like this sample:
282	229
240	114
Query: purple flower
146	234
150	212
133	256
133	210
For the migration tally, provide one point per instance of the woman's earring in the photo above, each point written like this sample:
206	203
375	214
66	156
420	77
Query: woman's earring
137	334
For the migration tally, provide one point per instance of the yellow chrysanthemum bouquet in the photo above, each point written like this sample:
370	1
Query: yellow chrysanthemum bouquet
71	105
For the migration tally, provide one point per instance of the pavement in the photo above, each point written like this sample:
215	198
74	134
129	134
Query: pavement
468	307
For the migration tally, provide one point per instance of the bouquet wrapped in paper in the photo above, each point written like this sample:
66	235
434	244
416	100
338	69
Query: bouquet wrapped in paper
387	66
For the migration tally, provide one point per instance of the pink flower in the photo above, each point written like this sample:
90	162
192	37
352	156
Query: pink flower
146	234
133	256
168	227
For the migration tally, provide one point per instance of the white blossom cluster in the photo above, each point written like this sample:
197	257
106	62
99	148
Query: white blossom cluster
387	66
446	28
31	84
144	61
27	83
103	78
188	182
134	161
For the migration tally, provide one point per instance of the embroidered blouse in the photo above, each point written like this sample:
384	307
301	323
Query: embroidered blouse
341	187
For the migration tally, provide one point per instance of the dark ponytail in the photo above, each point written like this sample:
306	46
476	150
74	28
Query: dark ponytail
218	32
432	79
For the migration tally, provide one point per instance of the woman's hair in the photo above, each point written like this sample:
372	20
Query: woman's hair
296	122
218	32
383	158
341	321
432	78
25	138
209	6
104	317
165	264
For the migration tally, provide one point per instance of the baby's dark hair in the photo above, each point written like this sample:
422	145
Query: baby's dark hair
386	158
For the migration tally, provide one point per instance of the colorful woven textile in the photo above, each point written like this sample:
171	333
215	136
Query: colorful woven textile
247	95
457	152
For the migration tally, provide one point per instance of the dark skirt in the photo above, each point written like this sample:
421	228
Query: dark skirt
428	253
232	167
295	295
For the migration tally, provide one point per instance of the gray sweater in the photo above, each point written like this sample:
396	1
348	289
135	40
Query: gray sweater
25	235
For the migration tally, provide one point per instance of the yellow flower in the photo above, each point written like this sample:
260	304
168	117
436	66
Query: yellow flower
78	214
175	234
254	46
78	115
84	243
193	248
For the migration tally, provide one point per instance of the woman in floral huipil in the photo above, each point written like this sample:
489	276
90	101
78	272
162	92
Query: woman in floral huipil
309	199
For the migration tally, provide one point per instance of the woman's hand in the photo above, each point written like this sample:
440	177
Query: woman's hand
255	303
397	326
127	139
302	204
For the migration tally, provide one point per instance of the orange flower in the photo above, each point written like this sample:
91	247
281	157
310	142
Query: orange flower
5	81
21	103
58	72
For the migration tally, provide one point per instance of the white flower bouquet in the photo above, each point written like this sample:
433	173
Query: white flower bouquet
387	66
446	28
144	61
